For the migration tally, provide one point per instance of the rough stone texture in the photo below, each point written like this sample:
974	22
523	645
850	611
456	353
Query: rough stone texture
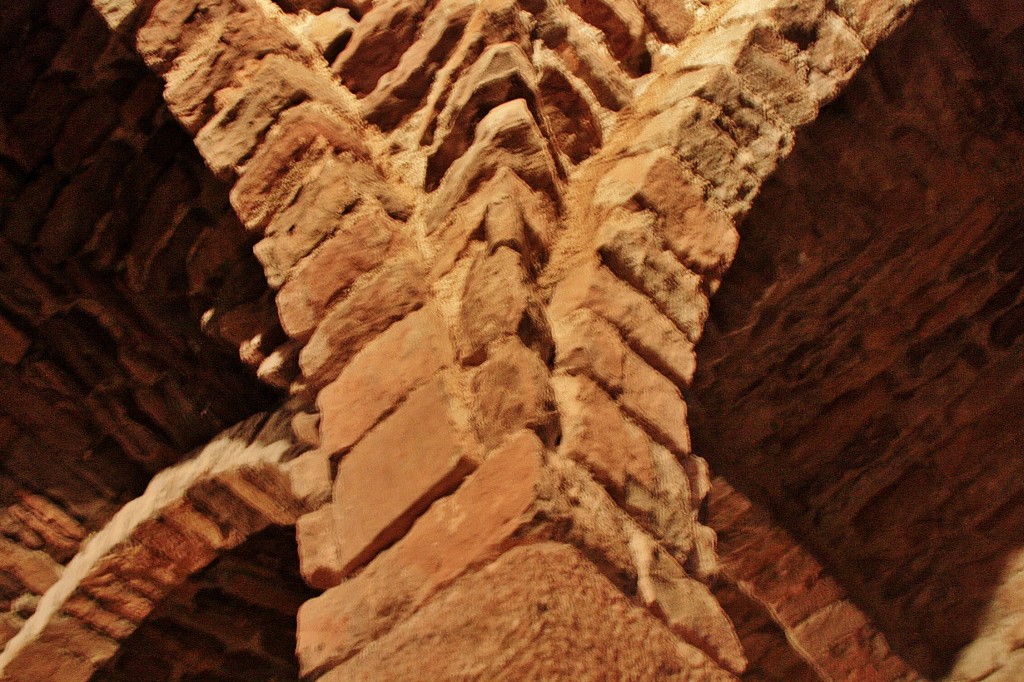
406	462
519	618
866	349
232	620
486	240
233	487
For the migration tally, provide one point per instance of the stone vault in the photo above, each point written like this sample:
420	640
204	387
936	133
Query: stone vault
363	340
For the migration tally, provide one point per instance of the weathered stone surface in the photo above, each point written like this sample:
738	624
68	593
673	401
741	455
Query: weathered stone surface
361	242
670	20
622	24
509	213
276	84
496	299
373	303
317	537
303	135
581	161
701	235
403	87
376	47
195	82
628	245
597	435
311	478
653	335
857	361
412	350
507	136
655	403
538	612
234	483
474	524
501	74
587	344
393	474
511	391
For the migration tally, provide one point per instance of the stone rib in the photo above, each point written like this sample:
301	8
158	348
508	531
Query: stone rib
190	513
717	114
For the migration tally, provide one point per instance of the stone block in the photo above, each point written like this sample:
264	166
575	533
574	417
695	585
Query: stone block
562	618
587	344
374	302
306	428
509	137
474	525
647	330
317	537
275	85
595	434
833	58
359	245
511	391
82	203
697	230
509	213
386	30
414	75
671	20
623	27
186	550
654	402
167	32
627	244
408	353
501	74
768	63
310	475
293	148
687	606
496	299
393	474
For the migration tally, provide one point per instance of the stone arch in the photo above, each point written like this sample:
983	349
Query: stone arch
233	487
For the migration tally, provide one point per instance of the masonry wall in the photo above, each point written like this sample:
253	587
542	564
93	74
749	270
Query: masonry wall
117	247
863	362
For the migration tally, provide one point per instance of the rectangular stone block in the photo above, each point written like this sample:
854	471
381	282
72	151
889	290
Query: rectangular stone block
317	538
303	136
585	343
511	391
578	625
697	230
360	244
628	245
769	64
386	481
472	526
595	434
380	375
649	332
311	478
655	403
275	85
375	301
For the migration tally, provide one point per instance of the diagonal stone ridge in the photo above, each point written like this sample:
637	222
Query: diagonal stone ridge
493	230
